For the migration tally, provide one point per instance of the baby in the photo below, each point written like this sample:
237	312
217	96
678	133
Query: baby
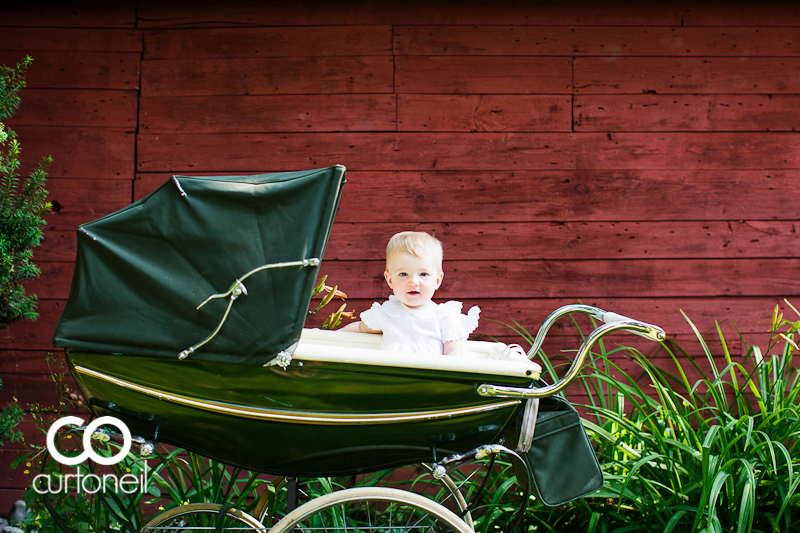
409	320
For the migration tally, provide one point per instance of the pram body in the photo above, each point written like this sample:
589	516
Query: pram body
153	338
339	407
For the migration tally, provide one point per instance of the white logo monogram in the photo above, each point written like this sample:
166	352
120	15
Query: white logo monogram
90	483
88	451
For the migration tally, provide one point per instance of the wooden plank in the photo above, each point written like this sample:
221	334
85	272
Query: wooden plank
482	241
10	495
81	108
743	14
280	75
556	196
750	314
597	41
144	184
379	151
582	279
40	363
467	151
490	112
679	75
30	335
57	246
78	152
271	113
205	13
29	40
33	389
468	196
476	74
655	278
268	42
76	14
27	362
16	478
76	201
694	150
78	70
659	112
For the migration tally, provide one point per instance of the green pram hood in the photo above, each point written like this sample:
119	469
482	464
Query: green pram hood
141	272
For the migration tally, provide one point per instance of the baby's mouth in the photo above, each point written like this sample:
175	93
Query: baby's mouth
413	292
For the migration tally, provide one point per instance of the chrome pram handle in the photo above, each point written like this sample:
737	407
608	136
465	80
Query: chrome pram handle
238	289
613	322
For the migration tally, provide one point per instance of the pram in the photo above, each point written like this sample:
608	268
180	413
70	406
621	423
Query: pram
185	320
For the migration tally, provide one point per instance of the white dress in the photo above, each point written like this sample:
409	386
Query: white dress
419	330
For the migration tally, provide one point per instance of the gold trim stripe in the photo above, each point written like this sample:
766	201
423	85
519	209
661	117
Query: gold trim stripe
296	417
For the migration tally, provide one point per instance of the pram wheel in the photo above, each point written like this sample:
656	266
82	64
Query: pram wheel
418	479
372	510
201	517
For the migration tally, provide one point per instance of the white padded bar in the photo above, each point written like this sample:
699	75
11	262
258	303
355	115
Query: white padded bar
486	358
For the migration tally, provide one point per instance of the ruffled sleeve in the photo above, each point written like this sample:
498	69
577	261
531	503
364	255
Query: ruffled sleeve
455	326
374	317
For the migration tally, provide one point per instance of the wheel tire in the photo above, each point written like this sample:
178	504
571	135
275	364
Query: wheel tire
443	491
372	510
199	516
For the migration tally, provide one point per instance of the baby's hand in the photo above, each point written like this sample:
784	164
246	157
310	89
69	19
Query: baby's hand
454	347
358	327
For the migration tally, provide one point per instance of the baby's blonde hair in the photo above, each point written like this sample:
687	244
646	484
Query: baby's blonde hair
416	243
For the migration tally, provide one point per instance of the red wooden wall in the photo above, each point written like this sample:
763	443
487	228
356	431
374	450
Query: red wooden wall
643	159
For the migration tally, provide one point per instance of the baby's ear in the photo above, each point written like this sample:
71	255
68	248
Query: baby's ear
388	278
439	280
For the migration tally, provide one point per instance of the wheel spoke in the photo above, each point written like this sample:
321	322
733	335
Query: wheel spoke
197	517
372	510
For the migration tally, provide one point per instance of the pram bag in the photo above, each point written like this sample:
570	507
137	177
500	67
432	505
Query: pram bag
561	459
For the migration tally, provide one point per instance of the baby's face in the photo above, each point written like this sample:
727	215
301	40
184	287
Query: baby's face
413	279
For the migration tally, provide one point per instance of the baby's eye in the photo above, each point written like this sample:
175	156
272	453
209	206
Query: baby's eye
402	274
423	274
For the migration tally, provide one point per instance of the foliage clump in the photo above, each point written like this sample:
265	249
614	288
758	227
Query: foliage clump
704	444
335	319
22	205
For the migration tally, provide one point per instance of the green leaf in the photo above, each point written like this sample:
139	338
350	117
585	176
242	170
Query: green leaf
716	487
